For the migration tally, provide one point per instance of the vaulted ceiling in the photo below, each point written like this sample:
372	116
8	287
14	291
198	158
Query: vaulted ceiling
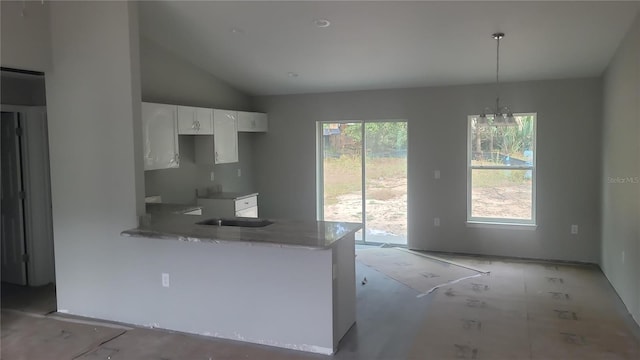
267	47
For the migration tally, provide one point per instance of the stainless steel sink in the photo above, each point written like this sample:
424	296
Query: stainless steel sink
240	222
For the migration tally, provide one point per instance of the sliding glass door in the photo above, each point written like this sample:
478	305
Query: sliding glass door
362	177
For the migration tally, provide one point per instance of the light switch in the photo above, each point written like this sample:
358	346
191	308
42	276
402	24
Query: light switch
436	174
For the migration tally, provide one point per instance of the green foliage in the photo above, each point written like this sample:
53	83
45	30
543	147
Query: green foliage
385	137
509	140
381	137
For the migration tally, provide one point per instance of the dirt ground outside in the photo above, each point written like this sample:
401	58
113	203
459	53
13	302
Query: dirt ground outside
386	210
389	216
386	204
513	201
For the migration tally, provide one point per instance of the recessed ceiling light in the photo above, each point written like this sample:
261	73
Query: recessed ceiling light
292	74
322	23
236	30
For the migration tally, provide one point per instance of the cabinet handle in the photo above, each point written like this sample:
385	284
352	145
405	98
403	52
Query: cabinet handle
193	125
176	157
216	156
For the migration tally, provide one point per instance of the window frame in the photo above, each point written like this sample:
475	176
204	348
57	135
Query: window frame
482	221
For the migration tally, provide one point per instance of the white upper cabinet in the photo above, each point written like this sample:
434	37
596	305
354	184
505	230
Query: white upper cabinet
160	136
195	121
225	136
252	122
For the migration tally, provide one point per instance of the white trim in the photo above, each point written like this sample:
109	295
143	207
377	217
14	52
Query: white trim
501	225
363	179
320	167
509	223
492	167
319	172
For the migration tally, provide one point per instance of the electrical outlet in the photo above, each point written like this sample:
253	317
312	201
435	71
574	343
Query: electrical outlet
239	172
623	256
574	229
436	174
212	177
165	280
436	221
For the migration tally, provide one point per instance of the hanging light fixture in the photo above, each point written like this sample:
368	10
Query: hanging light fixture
501	115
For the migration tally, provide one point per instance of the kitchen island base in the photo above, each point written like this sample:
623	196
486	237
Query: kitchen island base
290	297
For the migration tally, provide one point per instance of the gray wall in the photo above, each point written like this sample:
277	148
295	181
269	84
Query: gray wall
569	123
93	102
620	171
166	78
25	40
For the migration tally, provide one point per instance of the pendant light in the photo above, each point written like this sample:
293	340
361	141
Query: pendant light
502	115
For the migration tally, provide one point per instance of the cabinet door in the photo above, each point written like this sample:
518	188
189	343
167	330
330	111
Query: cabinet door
251	212
195	121
225	136
252	122
204	119
160	136
187	124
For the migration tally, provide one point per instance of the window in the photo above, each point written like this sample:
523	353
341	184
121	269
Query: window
502	170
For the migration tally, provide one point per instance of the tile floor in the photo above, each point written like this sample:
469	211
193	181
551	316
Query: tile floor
521	310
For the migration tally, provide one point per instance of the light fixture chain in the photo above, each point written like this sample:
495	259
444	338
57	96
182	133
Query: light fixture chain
498	75
504	112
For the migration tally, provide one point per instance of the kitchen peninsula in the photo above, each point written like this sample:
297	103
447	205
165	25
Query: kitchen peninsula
289	284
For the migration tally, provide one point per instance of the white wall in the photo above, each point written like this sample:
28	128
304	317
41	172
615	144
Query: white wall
621	159
93	101
569	122
166	78
24	40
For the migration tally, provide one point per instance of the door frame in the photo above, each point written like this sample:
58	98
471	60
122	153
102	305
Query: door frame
16	271
38	221
320	169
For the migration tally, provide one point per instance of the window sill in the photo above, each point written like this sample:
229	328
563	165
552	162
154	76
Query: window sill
503	226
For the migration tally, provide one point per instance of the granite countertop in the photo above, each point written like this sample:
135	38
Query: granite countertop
161	208
283	233
227	195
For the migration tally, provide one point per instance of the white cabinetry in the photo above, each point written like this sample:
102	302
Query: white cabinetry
225	136
160	136
222	147
195	121
194	212
247	207
252	122
244	207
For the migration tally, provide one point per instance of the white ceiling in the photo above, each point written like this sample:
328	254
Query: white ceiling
386	44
